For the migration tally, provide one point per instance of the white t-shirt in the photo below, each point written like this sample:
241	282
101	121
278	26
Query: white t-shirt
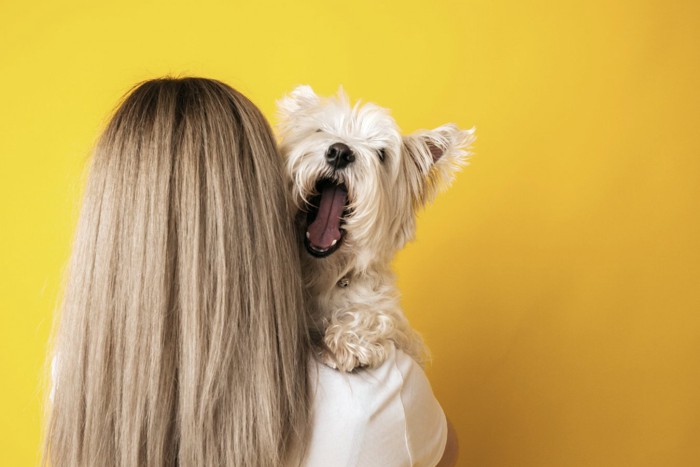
386	416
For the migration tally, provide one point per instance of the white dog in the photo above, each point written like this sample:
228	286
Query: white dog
356	183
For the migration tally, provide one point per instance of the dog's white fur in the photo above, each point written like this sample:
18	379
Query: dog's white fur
356	322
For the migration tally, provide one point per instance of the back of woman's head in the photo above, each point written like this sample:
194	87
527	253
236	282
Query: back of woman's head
181	338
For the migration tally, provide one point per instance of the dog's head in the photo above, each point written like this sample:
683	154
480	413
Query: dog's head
356	180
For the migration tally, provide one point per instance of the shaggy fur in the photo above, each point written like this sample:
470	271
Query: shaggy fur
356	310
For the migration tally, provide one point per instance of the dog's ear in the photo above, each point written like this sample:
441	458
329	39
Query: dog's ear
438	154
300	98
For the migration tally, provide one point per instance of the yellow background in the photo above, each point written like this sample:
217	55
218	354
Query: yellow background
557	282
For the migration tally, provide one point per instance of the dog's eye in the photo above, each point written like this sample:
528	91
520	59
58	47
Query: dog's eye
318	130
382	154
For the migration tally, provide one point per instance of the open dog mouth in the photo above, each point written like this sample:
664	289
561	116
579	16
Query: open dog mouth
325	217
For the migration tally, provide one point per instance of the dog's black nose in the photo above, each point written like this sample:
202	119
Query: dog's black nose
339	155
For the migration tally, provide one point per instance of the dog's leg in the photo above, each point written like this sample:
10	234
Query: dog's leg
358	336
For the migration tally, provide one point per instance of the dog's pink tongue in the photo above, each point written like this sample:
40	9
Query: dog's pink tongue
325	229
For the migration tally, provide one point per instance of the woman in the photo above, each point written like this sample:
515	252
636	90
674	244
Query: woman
182	338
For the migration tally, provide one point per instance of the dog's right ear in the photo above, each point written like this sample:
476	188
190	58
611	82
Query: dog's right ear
301	98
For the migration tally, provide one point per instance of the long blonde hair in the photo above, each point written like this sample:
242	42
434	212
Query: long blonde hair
182	338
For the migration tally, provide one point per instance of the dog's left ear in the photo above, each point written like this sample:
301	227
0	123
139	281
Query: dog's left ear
438	154
300	98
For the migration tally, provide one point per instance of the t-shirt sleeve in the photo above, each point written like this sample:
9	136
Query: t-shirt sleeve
426	424
386	416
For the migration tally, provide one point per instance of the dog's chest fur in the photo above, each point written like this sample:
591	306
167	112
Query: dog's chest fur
356	313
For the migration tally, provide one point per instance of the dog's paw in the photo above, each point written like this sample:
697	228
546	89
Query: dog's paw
346	353
327	358
344	361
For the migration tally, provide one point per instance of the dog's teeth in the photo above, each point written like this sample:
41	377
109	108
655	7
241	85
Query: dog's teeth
308	235
334	242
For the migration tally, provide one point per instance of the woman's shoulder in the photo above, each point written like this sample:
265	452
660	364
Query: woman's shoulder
381	416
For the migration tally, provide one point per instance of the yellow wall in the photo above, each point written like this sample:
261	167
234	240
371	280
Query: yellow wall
558	282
